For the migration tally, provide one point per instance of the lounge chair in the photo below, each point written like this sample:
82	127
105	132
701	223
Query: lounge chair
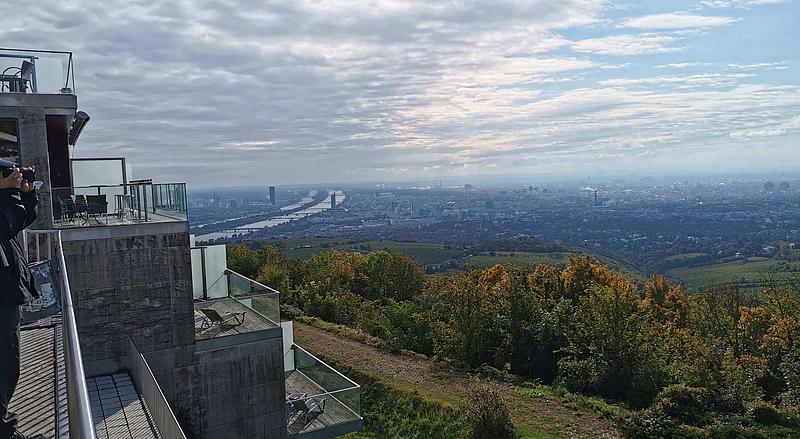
213	317
309	408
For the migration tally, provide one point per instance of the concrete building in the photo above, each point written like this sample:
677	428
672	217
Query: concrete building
272	195
154	337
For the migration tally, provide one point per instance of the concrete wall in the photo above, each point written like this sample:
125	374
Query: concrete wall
135	281
241	391
32	140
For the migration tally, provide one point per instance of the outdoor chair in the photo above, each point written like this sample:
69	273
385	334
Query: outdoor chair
82	208
97	206
293	402
309	408
68	209
213	317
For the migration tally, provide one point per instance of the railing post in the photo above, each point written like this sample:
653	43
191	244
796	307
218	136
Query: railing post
203	263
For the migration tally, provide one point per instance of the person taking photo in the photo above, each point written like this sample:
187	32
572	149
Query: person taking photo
18	202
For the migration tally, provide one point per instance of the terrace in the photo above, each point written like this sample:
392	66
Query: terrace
36	72
103	195
233	294
334	401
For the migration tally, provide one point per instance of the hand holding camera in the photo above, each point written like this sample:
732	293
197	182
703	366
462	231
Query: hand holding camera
22	178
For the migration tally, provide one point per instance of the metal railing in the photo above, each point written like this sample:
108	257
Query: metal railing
36	72
157	404
78	407
99	205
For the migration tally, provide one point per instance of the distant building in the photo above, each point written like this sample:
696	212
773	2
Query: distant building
272	195
333	200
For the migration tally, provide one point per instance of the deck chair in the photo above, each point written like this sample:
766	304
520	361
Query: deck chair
314	408
97	206
213	317
82	208
295	402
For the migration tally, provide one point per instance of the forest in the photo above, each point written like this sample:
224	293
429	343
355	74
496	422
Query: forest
721	362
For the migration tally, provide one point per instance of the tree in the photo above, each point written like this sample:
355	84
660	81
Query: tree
243	260
392	276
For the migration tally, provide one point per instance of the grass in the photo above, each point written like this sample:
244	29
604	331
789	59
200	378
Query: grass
530	259
683	257
750	270
423	253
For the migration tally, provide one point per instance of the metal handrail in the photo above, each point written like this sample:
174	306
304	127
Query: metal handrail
79	409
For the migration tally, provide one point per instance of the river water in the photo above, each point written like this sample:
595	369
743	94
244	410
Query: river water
281	219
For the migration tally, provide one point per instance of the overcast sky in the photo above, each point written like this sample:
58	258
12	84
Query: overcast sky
236	92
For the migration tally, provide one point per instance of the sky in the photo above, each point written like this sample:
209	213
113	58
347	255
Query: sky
255	92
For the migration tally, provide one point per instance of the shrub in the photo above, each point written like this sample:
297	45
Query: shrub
683	403
488	415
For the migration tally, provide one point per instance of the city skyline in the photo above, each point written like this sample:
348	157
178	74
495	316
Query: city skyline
262	94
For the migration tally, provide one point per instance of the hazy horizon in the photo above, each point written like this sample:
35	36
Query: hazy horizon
272	93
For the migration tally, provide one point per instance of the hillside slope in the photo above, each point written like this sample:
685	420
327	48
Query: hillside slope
542	416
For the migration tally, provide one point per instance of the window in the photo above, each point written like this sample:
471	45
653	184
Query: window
9	144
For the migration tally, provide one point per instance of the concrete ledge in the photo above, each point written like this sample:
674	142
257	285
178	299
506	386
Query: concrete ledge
238	339
123	230
52	103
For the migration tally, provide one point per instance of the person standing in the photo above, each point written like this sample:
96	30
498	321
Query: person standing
18	202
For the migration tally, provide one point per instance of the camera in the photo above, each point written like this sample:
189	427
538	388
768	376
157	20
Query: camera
27	174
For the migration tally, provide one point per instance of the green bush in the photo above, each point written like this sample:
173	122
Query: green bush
487	414
683	403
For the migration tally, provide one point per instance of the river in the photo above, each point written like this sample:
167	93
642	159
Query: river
281	219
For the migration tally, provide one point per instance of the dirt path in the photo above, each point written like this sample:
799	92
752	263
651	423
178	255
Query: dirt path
538	414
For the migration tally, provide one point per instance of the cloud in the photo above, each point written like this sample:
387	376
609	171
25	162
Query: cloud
308	91
677	20
739	3
627	45
749	134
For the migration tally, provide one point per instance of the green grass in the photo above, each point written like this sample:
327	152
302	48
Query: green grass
423	253
750	270
529	259
683	257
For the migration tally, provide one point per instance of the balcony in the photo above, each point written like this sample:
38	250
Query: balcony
110	205
54	397
36	72
235	309
321	402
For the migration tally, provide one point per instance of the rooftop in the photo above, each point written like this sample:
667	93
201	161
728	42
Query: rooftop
36	72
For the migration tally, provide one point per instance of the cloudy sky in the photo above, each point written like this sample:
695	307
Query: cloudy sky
232	92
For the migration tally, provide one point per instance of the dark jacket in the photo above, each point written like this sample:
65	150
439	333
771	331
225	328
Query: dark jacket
17	211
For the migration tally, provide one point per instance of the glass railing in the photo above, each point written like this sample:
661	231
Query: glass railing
36	72
318	396
103	205
260	298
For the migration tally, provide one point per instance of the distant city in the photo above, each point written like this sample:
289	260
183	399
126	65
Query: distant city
644	221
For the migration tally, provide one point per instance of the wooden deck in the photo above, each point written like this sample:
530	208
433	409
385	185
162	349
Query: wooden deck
35	396
113	220
253	321
335	412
